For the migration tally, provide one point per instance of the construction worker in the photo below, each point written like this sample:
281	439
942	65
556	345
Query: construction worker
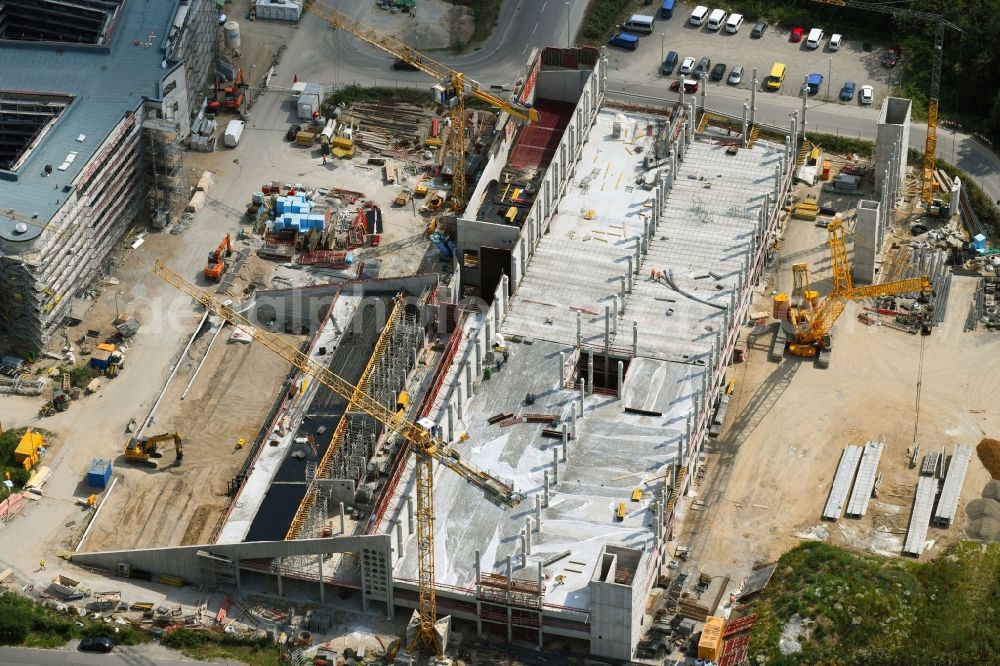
324	159
41	564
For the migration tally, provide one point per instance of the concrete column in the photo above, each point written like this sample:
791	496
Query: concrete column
458	395
555	466
399	537
322	586
590	369
451	421
281	591
546	488
565	436
538	513
479	575
614	314
524	549
479	362
573	412
777	183
488	337
753	97
630	276
583	394
527	534
607	335
746	116
510	578
562	369
468	377
579	330
343	527
623	289
496	315
805	106
621	378
635	338
504	287
638	252
565	452
409	514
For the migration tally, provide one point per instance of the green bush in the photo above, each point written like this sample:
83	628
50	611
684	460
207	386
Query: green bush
843	144
15	625
484	16
600	20
351	94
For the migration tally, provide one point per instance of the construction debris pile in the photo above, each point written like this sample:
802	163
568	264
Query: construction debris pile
985	306
984	514
399	130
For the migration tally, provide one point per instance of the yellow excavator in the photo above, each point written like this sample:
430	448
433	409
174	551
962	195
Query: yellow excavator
145	450
809	320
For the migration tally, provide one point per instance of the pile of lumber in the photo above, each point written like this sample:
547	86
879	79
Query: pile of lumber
382	126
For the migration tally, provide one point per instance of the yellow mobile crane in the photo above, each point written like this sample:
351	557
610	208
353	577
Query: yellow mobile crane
930	145
812	320
452	89
428	448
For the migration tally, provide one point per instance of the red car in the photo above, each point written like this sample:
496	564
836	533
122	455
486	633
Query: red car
892	56
798	32
690	86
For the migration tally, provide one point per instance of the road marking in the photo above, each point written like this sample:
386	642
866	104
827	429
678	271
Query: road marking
544	5
536	28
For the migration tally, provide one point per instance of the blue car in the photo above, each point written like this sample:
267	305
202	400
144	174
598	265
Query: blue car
813	82
847	92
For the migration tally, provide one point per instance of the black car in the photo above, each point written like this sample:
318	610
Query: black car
292	132
669	64
96	644
759	28
703	65
404	66
717	72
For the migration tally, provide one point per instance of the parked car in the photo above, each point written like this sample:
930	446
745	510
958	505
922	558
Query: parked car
690	86
293	131
687	66
669	63
404	66
847	92
736	75
867	95
798	32
813	82
835	41
717	72
892	56
759	28
96	644
703	66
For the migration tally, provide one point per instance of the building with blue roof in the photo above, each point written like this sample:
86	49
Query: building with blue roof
78	80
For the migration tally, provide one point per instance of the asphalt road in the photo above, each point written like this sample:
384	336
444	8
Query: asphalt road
120	657
524	24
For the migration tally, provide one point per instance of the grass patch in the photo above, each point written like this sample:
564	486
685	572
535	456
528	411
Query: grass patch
24	622
18	475
352	94
843	144
875	610
209	646
600	19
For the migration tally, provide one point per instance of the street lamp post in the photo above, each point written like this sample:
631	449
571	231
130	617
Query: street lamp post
662	34
829	76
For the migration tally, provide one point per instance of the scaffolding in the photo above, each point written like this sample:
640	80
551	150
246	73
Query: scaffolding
196	42
168	193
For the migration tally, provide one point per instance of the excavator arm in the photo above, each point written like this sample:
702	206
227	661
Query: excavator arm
497	491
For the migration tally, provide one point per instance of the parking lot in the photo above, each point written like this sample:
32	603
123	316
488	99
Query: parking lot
850	63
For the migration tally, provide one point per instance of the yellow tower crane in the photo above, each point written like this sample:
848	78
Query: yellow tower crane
930	145
428	449
452	89
814	321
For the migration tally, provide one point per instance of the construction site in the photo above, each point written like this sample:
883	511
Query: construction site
557	377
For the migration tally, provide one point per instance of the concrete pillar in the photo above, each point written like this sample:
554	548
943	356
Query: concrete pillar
607	335
579	329
753	97
573	412
479	362
805	106
281	591
451	421
343	526
638	252
409	514
468	377
399	537
538	513
562	369
777	183
479	574
583	394
565	436
622	289
555	466
635	338
504	287
524	549
630	276
546	486
527	534
322	586
614	314
590	370
496	316
746	117
621	378
458	395
488	337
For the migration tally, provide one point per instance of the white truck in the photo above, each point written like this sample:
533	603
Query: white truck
309	100
234	130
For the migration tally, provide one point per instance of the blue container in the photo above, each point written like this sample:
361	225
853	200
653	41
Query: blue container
99	473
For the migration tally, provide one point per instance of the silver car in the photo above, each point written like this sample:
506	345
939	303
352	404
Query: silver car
687	65
736	75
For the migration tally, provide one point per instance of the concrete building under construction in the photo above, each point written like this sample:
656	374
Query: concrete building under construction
79	80
615	251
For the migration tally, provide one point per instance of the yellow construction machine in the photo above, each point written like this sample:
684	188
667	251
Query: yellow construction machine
145	450
809	320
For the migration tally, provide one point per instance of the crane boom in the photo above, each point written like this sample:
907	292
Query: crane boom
930	145
458	86
428	448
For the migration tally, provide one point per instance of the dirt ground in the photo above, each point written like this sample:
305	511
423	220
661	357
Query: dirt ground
769	475
436	25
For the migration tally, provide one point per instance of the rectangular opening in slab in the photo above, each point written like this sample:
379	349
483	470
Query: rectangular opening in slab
24	120
605	376
72	21
897	111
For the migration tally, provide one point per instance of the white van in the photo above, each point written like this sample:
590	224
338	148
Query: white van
734	23
698	15
716	19
639	23
814	38
834	44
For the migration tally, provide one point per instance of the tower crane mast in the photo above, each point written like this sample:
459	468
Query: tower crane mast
456	87
428	448
930	145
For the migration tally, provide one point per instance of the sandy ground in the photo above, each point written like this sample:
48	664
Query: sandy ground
436	25
770	473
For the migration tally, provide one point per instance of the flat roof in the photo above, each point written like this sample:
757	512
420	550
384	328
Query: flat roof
701	243
106	82
613	453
